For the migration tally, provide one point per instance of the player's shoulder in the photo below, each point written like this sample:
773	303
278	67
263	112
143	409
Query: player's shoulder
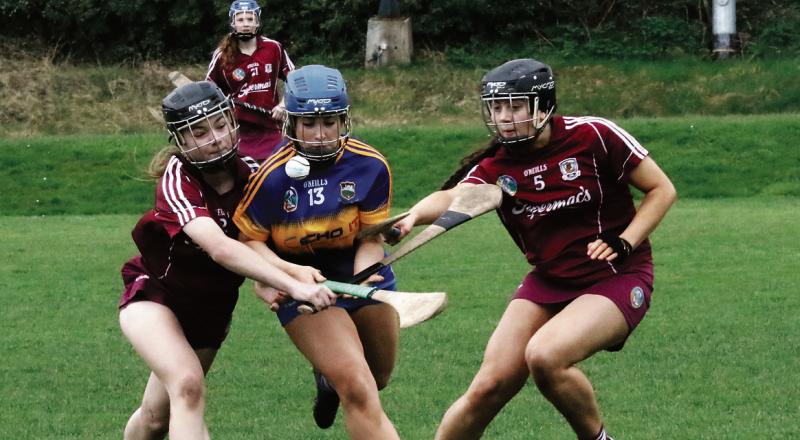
361	148
363	152
596	123
265	41
251	164
267	169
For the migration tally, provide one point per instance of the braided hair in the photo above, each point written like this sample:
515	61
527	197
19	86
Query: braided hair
470	161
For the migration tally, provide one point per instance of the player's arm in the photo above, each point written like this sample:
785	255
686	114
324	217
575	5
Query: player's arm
368	252
305	274
659	195
427	210
237	257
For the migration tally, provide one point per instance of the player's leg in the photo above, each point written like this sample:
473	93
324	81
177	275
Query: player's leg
329	340
151	419
502	373
157	337
379	330
587	325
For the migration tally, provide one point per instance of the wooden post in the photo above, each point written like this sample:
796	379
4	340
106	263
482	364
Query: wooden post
388	37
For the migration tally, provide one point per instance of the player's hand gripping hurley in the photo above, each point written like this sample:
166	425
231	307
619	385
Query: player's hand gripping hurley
412	307
470	203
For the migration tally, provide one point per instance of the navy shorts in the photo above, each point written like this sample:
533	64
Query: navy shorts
288	310
205	325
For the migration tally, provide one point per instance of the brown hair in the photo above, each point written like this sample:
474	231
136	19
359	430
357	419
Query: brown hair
470	161
159	161
228	47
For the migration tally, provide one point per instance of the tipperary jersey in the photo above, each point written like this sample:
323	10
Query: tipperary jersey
559	198
314	221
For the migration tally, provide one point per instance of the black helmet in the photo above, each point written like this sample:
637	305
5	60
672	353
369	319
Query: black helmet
523	78
200	103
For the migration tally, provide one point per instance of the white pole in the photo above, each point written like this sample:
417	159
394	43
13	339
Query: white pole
723	14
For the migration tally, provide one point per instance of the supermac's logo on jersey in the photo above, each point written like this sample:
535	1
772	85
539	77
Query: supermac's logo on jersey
569	169
290	199
347	190
238	74
507	184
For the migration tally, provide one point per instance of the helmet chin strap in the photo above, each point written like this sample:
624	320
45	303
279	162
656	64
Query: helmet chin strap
244	36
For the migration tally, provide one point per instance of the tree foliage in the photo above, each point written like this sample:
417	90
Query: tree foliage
112	30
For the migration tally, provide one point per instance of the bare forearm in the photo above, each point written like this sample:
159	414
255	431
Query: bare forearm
238	257
367	254
652	210
427	210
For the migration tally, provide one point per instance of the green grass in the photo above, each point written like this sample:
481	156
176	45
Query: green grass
707	157
716	357
69	98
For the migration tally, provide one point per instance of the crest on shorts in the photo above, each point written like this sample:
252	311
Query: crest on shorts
238	74
569	169
290	200
347	190
637	297
507	184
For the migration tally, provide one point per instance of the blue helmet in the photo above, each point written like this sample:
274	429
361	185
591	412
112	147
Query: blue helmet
244	6
316	91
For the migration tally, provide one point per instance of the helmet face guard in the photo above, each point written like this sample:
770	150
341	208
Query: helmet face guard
245	9
319	143
200	119
516	82
318	112
519	126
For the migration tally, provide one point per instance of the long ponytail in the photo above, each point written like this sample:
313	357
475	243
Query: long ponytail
229	47
470	161
159	161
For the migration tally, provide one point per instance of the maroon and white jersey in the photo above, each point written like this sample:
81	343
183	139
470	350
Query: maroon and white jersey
169	256
561	197
253	79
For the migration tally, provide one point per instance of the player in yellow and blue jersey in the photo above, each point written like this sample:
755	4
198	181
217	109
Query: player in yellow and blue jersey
306	223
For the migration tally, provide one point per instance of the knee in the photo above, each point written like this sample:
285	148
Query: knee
190	389
543	363
487	390
357	390
155	421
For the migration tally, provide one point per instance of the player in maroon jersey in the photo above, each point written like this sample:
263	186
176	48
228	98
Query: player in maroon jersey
247	66
568	206
181	290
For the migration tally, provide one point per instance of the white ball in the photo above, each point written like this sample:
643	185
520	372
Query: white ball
298	167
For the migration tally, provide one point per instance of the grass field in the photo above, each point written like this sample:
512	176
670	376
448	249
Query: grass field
716	358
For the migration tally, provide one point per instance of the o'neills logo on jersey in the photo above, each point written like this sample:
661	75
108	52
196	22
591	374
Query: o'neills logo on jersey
347	190
290	199
532	211
569	169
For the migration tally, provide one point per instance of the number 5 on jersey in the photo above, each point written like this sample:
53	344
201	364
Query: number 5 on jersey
538	182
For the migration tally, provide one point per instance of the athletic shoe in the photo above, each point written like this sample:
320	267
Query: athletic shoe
326	403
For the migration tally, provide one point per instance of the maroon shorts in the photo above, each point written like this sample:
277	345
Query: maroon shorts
630	291
205	324
259	144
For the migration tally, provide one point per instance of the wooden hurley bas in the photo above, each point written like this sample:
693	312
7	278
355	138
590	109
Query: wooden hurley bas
412	307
